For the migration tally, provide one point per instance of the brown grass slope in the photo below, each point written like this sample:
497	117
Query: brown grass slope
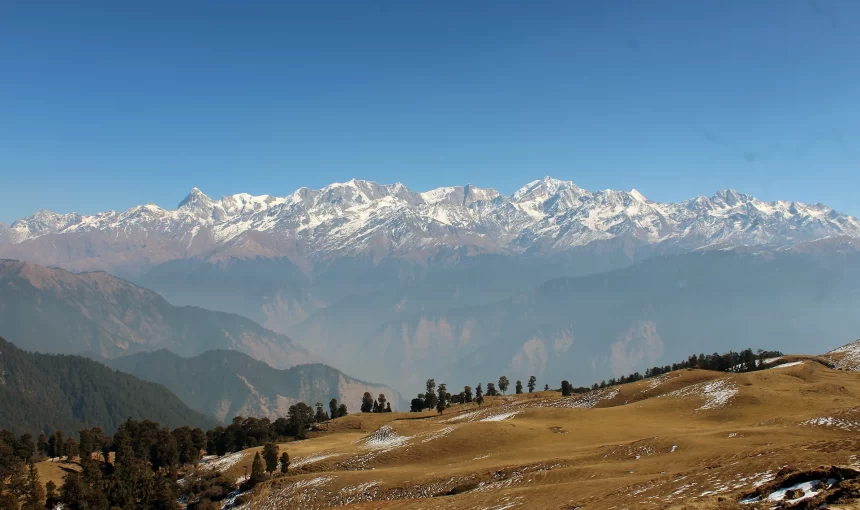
688	439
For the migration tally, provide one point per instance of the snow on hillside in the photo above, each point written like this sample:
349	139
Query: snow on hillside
847	357
357	216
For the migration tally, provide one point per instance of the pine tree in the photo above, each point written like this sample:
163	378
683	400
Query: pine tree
441	400
42	444
532	384
381	401
519	387
479	395
430	395
546	387
270	454
565	388
375	406
342	411
366	402
285	461
332	408
70	450
491	390
34	498
388	407
467	394
51	497
258	473
320	415
86	445
503	383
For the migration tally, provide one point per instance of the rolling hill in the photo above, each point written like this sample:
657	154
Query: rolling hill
225	384
782	437
45	392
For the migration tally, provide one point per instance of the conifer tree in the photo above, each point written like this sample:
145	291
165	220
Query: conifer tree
285	462
320	414
430	395
503	384
388	407
367	402
258	473
441	399
332	408
565	388
381	401
467	394
34	498
70	450
42	444
491	390
546	387
479	395
375	406
532	383
519	387
342	411
270	454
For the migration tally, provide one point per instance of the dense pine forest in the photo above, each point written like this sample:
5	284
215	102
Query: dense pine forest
47	392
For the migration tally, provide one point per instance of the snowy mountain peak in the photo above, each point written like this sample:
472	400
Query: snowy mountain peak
360	217
194	198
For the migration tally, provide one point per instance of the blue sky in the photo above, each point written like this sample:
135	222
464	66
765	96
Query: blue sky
113	104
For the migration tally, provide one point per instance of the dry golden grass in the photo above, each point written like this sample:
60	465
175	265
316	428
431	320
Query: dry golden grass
691	439
652	444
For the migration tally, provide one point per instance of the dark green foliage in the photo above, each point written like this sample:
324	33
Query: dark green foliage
257	471
381	401
417	405
320	415
55	444
503	384
546	387
467	394
342	411
270	456
532	384
285	462
388	407
332	408
430	398
565	388
491	390
441	400
479	395
202	489
367	402
45	392
70	449
519	387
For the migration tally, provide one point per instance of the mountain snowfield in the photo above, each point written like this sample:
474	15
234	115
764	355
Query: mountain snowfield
362	217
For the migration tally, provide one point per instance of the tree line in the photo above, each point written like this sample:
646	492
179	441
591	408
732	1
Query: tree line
731	361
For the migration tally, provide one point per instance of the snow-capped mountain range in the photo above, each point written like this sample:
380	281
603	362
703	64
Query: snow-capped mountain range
362	217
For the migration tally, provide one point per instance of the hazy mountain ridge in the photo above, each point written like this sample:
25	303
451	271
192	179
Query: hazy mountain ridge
369	219
229	383
42	392
53	310
617	322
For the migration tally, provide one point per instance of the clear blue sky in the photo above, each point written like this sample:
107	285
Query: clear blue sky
112	104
